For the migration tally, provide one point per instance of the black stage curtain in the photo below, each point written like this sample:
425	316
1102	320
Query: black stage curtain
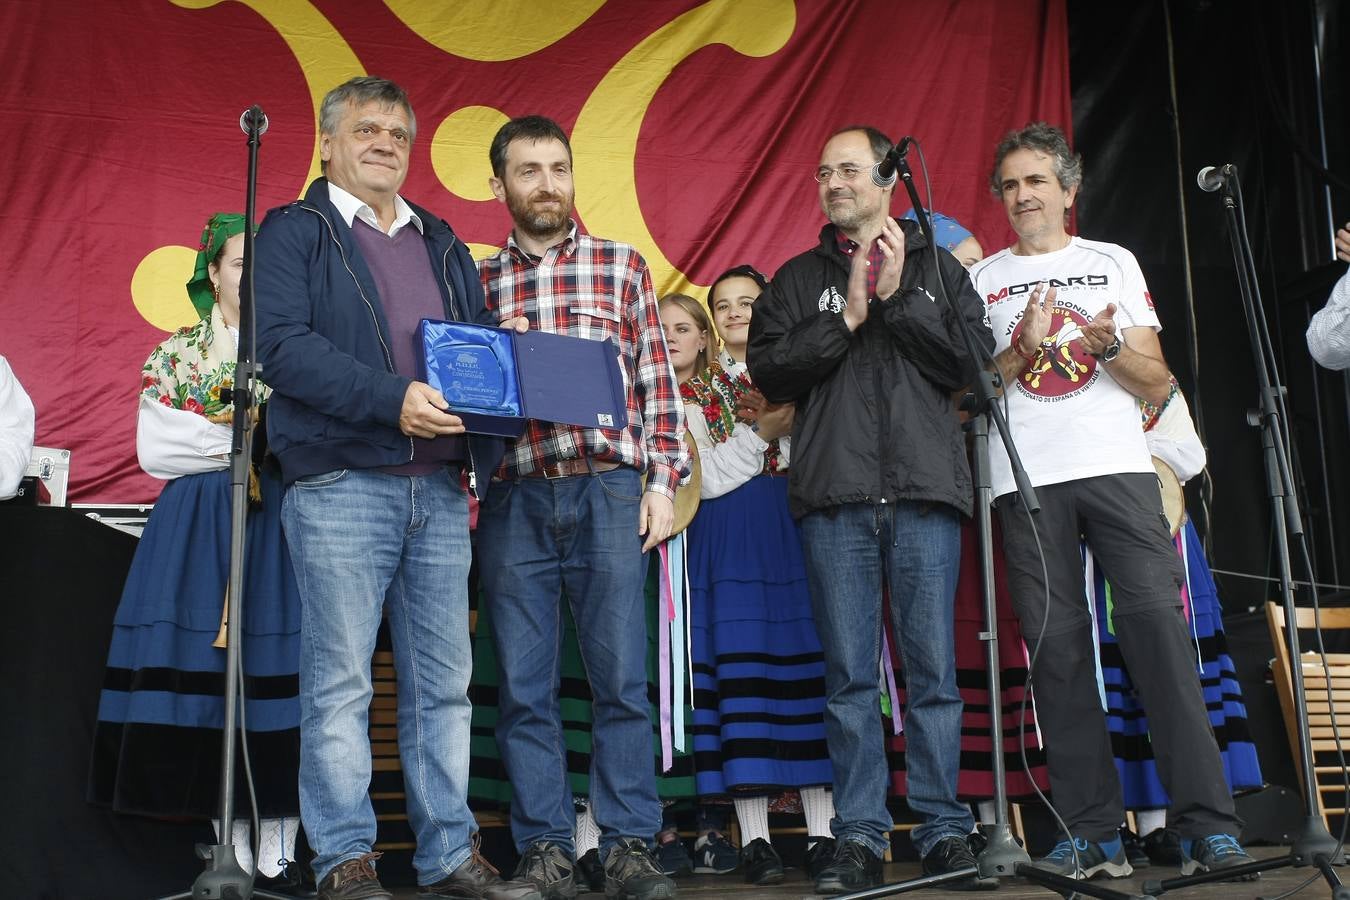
1246	83
62	576
1245	80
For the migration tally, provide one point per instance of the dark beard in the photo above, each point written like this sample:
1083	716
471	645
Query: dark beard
538	224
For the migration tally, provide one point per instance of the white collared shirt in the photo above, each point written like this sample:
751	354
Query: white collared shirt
1329	328
350	207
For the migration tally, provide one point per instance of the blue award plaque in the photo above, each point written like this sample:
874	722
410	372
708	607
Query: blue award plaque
472	374
495	380
474	368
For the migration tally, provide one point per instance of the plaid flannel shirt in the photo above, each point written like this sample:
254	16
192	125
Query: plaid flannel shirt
592	288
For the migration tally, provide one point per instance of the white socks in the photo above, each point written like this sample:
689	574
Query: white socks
587	835
243	852
276	843
1150	820
753	815
818	809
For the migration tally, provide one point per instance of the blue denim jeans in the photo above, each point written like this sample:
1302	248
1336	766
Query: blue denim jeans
361	542
539	538
917	547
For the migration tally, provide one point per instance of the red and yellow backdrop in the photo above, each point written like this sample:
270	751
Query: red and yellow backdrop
695	125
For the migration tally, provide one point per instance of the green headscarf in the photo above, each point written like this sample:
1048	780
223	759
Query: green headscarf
219	229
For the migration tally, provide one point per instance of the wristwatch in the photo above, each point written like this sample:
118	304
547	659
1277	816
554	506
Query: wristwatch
1112	351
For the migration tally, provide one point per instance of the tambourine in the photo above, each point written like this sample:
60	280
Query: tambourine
1174	500
686	495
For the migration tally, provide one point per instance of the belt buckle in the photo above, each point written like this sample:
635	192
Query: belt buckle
559	470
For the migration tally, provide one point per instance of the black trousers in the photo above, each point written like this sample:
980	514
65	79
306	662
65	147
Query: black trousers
1121	518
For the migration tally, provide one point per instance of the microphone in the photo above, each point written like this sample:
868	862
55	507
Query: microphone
1212	178
251	116
883	173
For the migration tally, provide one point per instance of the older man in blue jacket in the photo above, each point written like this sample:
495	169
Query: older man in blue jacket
376	505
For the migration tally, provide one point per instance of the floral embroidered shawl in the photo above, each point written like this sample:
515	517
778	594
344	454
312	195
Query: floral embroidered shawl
191	367
718	394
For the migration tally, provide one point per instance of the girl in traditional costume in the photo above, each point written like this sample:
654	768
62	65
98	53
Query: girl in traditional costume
158	736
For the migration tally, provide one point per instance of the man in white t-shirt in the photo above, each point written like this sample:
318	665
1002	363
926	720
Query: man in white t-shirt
16	430
1077	346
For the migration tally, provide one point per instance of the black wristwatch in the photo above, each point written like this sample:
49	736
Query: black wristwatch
1112	351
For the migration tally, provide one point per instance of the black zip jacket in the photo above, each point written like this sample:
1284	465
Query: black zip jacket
875	421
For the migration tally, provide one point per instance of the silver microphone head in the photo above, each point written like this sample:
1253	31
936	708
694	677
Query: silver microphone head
249	114
1211	178
882	181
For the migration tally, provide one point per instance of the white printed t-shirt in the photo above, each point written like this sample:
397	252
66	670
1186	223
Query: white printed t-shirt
1068	417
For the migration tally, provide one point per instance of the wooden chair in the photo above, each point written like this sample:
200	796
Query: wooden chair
1326	689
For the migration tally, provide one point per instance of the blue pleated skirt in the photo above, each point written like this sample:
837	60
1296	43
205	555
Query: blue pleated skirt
1125	716
158	737
759	672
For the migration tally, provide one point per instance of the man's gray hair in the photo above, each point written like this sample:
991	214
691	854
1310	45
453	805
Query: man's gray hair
1040	137
358	92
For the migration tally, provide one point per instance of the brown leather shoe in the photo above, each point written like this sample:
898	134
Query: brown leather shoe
354	879
476	879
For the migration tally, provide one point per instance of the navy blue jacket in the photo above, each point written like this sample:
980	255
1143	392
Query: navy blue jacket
323	341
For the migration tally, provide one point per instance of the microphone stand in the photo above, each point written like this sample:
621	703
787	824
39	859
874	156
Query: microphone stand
1003	855
1314	846
224	878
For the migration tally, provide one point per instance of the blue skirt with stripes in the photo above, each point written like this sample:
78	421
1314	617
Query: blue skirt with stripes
157	741
1125	715
759	672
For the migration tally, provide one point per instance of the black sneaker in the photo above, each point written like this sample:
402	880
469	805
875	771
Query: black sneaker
854	868
1134	849
547	867
1213	854
760	863
819	854
290	881
631	873
476	879
951	854
590	873
1163	847
1105	858
354	879
671	856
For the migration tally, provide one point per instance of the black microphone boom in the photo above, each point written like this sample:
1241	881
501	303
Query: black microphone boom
883	173
1212	178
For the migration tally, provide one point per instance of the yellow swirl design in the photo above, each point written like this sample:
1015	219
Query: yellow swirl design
604	140
325	59
493	30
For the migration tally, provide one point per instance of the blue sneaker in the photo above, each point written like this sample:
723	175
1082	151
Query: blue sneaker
1213	853
714	855
1107	857
671	856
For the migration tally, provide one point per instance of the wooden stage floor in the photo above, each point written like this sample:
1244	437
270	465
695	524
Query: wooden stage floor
706	887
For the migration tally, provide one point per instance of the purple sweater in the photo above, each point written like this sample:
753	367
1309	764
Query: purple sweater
409	293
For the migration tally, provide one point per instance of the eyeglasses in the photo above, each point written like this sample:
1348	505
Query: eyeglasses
845	172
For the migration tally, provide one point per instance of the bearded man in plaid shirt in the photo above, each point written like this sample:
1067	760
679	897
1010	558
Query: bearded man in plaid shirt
568	514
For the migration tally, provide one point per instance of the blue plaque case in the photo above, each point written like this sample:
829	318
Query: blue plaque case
495	379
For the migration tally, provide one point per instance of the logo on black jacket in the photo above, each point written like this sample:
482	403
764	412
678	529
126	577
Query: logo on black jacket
831	299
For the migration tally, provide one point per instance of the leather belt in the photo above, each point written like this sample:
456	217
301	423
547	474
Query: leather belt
569	467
